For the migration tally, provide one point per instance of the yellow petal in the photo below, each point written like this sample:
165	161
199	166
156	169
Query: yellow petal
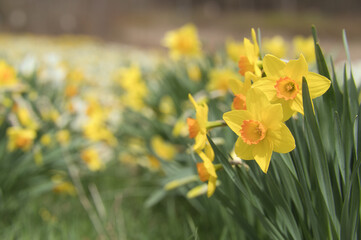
257	101
243	150
267	86
202	116
254	39
208	150
262	153
235	118
272	116
211	186
208	164
297	104
296	69
200	142
236	86
273	66
283	141
317	84
287	110
193	101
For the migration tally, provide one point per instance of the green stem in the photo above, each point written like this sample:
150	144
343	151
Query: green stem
214	124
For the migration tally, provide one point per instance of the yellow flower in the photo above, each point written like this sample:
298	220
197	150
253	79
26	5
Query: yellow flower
275	46
260	130
234	49
63	137
46	139
240	90
61	186
91	157
249	62
283	83
154	163
198	127
25	118
194	72
183	42
163	149
166	105
20	138
306	47
219	79
7	75
130	79
206	170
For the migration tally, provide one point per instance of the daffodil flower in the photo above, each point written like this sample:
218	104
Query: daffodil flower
183	42
249	61
260	130
283	83
240	89
198	127
206	170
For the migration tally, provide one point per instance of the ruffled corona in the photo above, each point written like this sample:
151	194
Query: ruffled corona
245	66
287	88
252	131
193	127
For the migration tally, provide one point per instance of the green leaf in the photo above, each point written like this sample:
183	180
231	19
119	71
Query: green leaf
320	59
318	155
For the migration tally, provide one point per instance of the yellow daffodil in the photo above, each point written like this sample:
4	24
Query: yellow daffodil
260	130
20	138
240	90
283	83
91	157
198	127
46	139
306	47
183	42
166	105
162	148
194	72
62	186
7	75
275	46
63	137
219	79
235	49
25	118
130	79
249	62
206	169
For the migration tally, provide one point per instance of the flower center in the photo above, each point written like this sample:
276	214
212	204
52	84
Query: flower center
245	66
239	102
252	131
193	127
287	88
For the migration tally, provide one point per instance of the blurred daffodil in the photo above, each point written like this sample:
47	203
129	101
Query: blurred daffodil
183	42
283	83
276	46
220	78
306	47
250	61
91	158
7	75
20	138
162	148
194	72
235	49
260	129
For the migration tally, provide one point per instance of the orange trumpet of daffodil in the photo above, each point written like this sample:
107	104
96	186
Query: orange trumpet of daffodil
260	130
283	83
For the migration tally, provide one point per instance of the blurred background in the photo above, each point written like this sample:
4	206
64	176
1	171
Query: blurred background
144	22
